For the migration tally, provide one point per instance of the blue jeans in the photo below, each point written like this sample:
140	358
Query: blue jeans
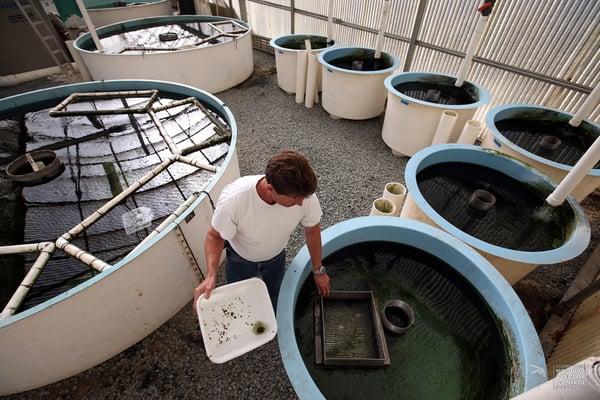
270	271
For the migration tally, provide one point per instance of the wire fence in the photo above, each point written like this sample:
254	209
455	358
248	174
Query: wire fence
532	51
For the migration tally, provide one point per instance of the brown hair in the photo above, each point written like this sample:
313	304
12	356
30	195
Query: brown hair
290	174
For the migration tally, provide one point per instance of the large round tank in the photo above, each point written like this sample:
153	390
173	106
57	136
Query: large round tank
496	204
112	228
188	49
471	339
286	49
415	104
109	12
352	81
543	138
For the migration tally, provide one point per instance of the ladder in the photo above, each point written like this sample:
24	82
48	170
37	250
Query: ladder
48	39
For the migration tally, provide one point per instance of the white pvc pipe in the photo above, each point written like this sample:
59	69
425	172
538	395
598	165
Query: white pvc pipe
383	207
15	79
445	127
470	132
578	382
301	58
90	25
577	173
396	193
330	21
311	80
382	27
587	107
466	63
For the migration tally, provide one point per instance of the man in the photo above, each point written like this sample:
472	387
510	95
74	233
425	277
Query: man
255	217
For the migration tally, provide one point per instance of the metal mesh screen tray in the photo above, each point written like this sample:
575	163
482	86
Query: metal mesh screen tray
348	331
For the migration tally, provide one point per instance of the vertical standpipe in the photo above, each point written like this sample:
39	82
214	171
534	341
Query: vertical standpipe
485	10
587	107
90	26
382	27
330	22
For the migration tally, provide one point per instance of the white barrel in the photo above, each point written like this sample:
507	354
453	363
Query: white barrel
410	123
102	16
354	94
286	49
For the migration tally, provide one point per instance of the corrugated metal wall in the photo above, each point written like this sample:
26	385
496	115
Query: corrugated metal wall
527	43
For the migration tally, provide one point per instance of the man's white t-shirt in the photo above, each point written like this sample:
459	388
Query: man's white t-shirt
258	231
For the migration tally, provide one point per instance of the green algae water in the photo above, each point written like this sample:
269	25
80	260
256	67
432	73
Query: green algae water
454	350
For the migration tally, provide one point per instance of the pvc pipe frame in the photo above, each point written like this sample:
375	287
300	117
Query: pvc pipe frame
578	382
587	107
46	250
90	25
470	132
445	127
577	173
382	27
466	64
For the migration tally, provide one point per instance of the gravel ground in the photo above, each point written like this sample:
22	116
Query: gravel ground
352	164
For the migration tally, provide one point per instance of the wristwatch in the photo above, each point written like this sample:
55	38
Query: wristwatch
319	271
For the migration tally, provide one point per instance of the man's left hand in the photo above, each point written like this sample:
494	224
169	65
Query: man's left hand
322	282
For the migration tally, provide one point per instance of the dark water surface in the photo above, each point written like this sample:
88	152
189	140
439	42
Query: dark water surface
528	134
455	349
437	93
513	222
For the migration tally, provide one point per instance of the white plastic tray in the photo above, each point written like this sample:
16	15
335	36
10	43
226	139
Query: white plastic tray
235	319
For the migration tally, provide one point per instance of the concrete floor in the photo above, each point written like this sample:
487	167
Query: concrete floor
352	164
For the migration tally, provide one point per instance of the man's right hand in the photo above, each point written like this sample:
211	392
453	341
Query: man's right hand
206	287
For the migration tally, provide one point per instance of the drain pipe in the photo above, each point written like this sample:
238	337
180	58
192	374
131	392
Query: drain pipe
330	22
382	27
445	127
301	58
578	382
484	10
587	107
311	76
470	132
577	173
90	25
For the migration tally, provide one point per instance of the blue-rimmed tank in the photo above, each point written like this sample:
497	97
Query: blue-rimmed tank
471	337
103	251
208	52
415	104
542	137
287	48
495	204
352	81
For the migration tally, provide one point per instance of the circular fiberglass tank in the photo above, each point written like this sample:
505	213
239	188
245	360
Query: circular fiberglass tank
104	12
543	138
496	204
200	55
148	272
415	104
286	49
352	81
471	338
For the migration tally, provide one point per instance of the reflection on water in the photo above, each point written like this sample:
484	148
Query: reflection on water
455	349
102	155
169	37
